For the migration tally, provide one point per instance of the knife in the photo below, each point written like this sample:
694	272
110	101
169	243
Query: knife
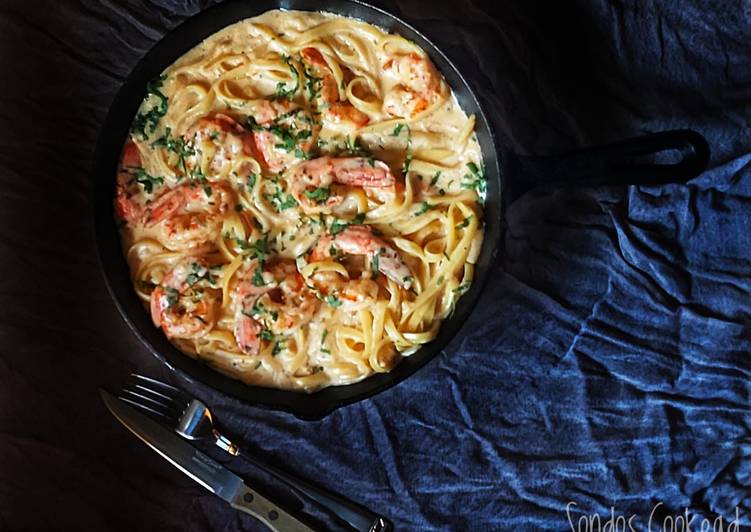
203	469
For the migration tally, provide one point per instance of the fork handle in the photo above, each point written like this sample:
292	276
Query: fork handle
359	518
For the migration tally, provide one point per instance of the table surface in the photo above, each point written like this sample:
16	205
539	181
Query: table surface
607	365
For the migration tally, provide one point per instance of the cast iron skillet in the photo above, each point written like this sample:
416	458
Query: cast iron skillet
623	163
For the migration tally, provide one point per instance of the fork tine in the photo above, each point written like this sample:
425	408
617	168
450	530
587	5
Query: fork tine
163	389
154	400
145	408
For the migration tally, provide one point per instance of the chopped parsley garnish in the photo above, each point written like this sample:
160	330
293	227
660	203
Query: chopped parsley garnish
207	190
143	178
371	161
312	85
408	279
439	281
281	88
288	133
172	296
352	148
146	122
289	202
406	164
424	207
337	226
319	195
257	279
180	147
252	178
398	129
266	335
461	288
464	223
323	340
279	201
333	301
475	179
197	273
435	178
259	249
288	142
278	347
375	264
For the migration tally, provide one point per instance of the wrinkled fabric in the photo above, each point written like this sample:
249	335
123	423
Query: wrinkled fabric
606	368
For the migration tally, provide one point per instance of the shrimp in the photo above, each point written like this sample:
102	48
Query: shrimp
126	206
418	85
336	113
311	180
360	240
189	215
220	140
283	134
181	305
273	297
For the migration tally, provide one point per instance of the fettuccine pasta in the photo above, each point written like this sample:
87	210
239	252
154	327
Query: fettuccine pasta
301	200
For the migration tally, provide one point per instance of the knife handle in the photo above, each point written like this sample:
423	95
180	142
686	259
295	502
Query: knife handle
359	518
270	514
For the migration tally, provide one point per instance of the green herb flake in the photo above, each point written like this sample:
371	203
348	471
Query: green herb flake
475	179
143	178
333	301
145	123
180	147
319	195
337	226
435	178
257	279
424	207
281	88
459	290
464	223
259	249
278	347
406	164
172	296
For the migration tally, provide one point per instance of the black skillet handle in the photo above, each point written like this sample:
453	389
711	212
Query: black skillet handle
629	162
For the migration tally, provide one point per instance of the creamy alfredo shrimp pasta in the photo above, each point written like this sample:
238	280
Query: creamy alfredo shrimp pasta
301	200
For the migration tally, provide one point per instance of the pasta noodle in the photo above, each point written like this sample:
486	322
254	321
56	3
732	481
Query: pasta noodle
301	200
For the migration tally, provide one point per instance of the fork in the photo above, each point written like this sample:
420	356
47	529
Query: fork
192	419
